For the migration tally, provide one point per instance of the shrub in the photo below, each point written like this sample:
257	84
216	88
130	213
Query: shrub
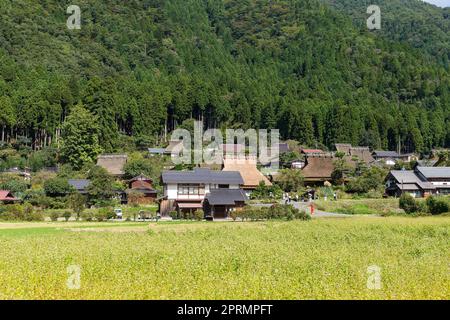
105	214
234	215
173	215
57	187
281	211
67	215
437	206
77	203
289	215
301	215
54	216
187	215
199	215
35	216
408	203
100	215
87	216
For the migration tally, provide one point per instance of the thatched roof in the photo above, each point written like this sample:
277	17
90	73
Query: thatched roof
247	168
361	153
318	168
113	163
175	146
343	147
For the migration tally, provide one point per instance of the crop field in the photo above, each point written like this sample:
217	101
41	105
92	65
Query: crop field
363	206
329	258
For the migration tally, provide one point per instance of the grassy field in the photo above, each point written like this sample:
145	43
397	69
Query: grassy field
363	206
318	259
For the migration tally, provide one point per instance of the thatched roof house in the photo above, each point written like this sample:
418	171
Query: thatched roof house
247	168
355	153
113	163
318	168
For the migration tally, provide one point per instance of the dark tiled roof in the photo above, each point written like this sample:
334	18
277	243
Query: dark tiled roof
156	150
225	196
386	154
283	147
202	175
79	184
409	177
434	172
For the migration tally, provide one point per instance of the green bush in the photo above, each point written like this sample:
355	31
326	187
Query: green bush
301	215
408	203
87	216
57	187
437	206
67	215
174	215
234	215
17	212
54	216
199	215
105	213
35	216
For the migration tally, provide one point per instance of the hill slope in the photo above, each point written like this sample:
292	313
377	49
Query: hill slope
145	66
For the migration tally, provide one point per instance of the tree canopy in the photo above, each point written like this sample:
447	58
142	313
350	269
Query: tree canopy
140	68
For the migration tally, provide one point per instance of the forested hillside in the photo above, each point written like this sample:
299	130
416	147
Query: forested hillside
305	67
423	26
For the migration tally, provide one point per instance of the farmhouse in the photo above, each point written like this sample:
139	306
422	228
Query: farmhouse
6	197
318	168
186	191
355	153
246	166
439	177
113	163
389	158
406	181
80	185
420	182
142	184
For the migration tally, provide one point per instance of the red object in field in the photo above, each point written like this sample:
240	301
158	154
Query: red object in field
312	208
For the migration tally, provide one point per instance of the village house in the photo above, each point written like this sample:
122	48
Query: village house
6	197
420	182
80	185
439	177
216	192
355	153
143	185
318	168
312	152
246	167
113	163
390	158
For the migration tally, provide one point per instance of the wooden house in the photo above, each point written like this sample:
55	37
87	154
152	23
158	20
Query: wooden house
144	185
186	191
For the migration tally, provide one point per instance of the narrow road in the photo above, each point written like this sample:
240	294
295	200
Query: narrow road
318	213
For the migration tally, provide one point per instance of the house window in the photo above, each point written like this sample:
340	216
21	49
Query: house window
224	186
191	189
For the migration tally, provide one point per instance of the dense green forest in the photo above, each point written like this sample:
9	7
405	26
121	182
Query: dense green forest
307	67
